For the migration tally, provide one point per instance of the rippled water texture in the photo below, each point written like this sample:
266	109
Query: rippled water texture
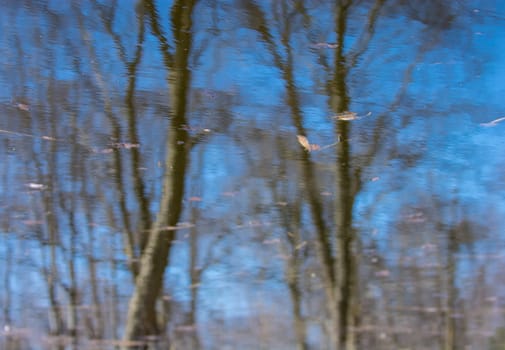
252	174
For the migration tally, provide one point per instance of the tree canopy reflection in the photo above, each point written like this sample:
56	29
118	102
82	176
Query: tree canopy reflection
246	174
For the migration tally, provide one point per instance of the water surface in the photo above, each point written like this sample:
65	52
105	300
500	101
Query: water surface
252	175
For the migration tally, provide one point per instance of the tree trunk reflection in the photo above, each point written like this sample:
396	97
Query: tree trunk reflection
142	317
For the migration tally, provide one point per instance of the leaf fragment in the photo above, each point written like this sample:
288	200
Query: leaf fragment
493	122
48	138
301	245
23	107
346	116
125	145
35	186
178	226
323	45
302	140
382	273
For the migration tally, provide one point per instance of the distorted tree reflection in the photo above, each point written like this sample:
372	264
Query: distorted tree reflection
283	60
339	262
101	166
338	268
142	319
136	233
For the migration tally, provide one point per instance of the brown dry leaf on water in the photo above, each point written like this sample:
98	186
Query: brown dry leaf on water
493	122
346	116
179	226
102	151
302	140
382	273
125	145
32	222
48	138
301	245
23	107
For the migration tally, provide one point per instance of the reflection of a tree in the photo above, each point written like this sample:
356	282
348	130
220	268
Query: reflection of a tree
258	22
79	298
147	244
119	163
142	318
336	252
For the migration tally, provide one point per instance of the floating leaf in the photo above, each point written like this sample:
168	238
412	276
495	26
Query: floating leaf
301	245
179	226
302	140
35	186
493	122
125	145
346	116
32	222
324	45
23	107
415	218
102	151
382	273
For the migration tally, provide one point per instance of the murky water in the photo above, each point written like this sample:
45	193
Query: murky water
252	175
